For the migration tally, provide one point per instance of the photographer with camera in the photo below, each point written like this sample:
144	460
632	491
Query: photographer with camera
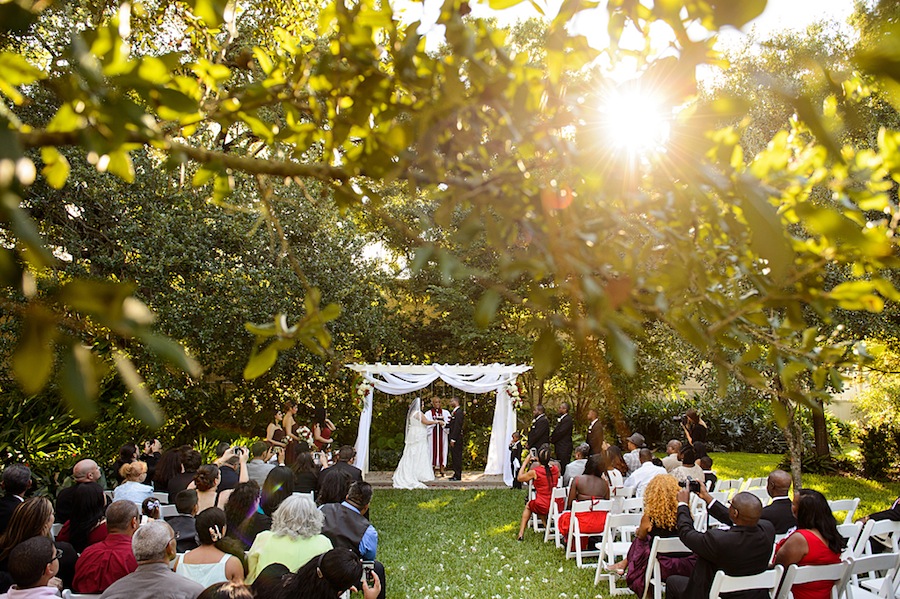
695	430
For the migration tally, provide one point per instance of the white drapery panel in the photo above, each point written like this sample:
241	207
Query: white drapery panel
397	380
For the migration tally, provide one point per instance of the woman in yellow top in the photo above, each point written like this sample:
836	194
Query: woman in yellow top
295	537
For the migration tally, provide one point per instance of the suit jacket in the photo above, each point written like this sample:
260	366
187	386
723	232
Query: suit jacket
893	513
457	417
780	514
8	503
738	551
352	471
562	436
595	437
539	433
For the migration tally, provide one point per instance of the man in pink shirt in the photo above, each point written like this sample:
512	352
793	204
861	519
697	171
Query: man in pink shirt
105	562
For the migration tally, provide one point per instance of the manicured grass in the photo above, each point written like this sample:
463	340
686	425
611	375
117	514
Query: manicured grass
462	544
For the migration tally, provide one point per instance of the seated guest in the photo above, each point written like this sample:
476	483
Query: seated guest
268	582
347	526
33	565
330	575
227	465
167	468
635	443
206	483
616	468
127	453
133	487
544	477
742	550
33	518
346	455
333	486
295	537
244	516
151	455
207	564
153	545
87	525
279	485
85	472
150	509
590	485
657	520
710	477
780	511
576	467
671	461
816	542
259	467
191	460
16	480
229	590
306	472
643	475
183	524
688	470
103	563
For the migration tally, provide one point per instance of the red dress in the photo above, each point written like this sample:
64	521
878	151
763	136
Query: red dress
325	432
818	555
543	490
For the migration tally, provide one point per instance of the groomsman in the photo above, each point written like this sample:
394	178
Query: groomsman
456	428
562	436
594	432
540	429
438	435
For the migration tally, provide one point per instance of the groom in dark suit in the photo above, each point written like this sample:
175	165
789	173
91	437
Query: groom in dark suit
562	436
742	550
540	429
456	428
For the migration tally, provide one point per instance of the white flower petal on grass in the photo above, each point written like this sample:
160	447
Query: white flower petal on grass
544	580
560	569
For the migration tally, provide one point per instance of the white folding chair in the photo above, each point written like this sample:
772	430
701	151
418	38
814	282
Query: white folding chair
68	594
768	580
839	573
653	576
762	494
629	505
729	484
162	497
860	586
851	533
553	517
845	505
625	492
754	483
886	531
536	523
616	479
573	544
55	528
618	535
167	511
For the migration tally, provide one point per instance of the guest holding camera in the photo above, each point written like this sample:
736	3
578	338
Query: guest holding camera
544	477
695	430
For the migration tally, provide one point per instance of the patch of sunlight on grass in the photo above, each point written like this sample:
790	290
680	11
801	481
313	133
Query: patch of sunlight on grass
478	496
499	530
435	504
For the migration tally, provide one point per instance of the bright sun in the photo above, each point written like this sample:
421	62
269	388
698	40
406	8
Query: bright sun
635	121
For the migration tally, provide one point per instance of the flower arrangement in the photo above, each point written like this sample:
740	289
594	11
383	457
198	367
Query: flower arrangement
515	393
306	434
363	388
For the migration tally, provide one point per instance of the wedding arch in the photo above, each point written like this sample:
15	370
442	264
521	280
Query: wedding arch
397	379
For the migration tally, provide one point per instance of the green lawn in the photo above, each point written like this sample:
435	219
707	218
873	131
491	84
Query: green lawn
449	544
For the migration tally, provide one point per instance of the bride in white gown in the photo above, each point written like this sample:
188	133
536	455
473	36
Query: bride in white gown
414	468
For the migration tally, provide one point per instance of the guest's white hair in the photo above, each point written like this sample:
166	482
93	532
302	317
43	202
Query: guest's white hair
297	516
150	541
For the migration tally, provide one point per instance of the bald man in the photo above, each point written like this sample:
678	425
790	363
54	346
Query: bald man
779	512
742	550
84	472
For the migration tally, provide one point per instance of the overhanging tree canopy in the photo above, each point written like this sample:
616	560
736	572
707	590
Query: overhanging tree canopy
398	379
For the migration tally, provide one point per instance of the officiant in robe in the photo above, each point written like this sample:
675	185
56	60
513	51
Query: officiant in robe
438	436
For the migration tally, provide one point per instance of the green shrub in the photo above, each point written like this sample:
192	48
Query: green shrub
878	445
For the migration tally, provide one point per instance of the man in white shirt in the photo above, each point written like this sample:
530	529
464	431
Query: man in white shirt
258	467
672	461
576	467
438	436
641	477
635	444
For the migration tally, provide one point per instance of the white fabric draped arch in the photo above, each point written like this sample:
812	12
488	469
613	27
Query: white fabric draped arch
396	379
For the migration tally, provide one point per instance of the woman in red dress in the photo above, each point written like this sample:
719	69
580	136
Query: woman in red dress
816	542
592	485
323	429
545	477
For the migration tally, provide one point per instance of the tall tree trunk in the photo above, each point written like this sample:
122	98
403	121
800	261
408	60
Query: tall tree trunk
820	429
793	434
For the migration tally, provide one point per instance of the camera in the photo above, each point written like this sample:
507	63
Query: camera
533	452
368	568
683	419
692	485
238	450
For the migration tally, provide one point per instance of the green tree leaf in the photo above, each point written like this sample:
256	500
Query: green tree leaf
547	354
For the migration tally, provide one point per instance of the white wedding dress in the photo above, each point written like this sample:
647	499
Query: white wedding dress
414	468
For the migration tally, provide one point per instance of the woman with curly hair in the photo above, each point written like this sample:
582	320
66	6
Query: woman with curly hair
33	518
658	520
296	537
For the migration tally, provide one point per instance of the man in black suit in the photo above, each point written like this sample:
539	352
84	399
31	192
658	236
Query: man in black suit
457	418
16	480
345	456
742	550
562	436
85	472
594	432
540	429
779	512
